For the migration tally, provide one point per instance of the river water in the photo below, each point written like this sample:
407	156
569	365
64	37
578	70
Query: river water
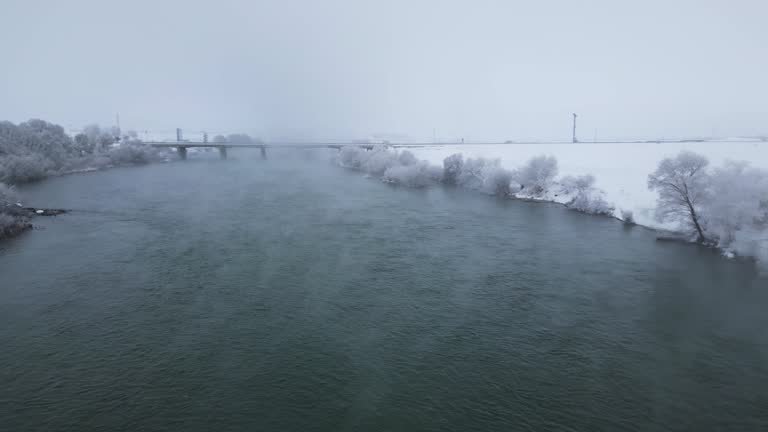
290	295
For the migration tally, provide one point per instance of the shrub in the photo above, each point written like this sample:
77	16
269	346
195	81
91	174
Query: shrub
628	217
406	158
378	160
415	175
452	166
573	185
537	176
11	225
352	157
585	197
497	181
735	213
474	172
21	169
132	155
591	202
11	220
8	197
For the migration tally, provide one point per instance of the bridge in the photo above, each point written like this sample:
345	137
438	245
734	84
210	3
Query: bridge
182	146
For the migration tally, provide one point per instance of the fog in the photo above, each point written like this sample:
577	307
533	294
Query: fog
305	70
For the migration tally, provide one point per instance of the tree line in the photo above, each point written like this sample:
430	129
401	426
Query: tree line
36	149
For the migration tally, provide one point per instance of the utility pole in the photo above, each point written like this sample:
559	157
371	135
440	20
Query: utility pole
574	129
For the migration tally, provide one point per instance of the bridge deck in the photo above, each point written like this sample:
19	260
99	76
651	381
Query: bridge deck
336	145
233	145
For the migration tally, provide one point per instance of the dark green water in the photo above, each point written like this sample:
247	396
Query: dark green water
289	295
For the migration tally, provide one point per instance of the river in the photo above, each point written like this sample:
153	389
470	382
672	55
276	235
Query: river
291	295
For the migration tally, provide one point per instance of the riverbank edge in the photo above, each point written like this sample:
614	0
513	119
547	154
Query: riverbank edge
23	222
20	226
662	235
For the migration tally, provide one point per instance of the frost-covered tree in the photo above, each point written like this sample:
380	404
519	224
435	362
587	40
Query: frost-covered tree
8	198
473	172
98	139
131	137
397	167
378	160
11	221
482	174
25	168
736	215
575	185
36	149
591	202
8	136
9	225
585	197
537	176
93	132
25	153
46	139
83	145
682	183
406	158
133	154
497	181
105	141
352	157
419	174
452	166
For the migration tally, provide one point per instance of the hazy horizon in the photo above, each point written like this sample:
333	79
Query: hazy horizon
487	70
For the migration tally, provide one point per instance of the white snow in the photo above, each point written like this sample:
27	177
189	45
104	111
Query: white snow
620	169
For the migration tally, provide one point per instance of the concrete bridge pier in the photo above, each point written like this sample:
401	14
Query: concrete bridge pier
182	152
223	152
263	152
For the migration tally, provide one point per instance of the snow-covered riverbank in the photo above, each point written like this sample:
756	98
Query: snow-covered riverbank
621	170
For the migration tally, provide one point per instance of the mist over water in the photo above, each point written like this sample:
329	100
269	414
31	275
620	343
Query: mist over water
289	294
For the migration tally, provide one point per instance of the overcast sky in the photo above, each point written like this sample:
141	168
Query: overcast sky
491	70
